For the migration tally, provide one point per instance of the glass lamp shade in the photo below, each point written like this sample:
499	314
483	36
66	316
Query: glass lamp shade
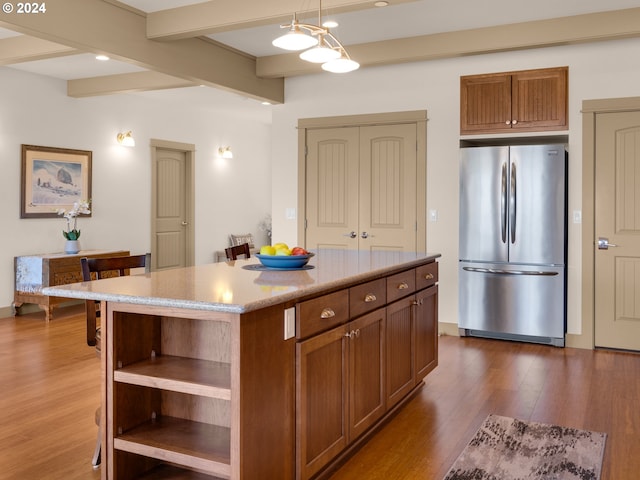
341	65
294	40
320	54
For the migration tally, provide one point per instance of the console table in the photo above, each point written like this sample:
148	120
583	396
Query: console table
35	272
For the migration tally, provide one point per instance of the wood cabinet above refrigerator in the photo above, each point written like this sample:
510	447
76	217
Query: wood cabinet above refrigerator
528	100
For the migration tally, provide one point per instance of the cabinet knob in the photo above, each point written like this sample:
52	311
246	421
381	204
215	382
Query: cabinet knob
514	122
403	286
370	297
508	122
327	313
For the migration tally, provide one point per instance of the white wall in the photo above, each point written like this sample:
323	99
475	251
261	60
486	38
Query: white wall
36	110
603	70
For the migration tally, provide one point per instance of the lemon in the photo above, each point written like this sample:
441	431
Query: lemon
278	246
283	251
267	250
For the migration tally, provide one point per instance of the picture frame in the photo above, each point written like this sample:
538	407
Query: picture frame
53	178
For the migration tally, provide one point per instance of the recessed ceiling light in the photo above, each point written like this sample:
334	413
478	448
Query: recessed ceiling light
266	103
381	4
102	58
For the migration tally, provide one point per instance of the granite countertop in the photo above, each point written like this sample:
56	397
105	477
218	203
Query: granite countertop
239	287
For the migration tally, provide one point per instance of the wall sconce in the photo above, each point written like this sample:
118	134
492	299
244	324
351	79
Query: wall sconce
126	139
225	152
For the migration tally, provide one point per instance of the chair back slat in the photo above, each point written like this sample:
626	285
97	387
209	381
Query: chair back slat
97	268
233	252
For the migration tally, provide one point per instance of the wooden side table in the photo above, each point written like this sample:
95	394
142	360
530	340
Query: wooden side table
34	272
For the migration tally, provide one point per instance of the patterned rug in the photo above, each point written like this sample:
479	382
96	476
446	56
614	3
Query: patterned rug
509	449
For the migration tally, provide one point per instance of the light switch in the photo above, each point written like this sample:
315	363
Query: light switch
433	215
290	213
577	216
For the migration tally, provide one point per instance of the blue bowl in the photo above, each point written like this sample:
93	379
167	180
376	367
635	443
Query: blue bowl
284	261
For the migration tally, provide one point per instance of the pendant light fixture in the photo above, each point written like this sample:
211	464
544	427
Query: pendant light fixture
326	50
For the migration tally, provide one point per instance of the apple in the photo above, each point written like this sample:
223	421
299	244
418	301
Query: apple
283	251
298	251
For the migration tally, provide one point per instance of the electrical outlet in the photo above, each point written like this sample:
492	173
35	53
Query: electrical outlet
289	323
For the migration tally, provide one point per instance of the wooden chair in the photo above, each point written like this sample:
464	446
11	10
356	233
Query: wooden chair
95	269
233	252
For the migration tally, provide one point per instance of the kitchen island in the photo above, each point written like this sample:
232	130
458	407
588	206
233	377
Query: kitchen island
229	370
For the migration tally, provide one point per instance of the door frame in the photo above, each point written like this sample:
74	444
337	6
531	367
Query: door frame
417	117
189	152
589	110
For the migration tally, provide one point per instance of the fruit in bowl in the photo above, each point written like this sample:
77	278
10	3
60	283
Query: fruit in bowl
279	255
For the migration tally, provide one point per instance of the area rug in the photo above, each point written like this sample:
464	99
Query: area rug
510	449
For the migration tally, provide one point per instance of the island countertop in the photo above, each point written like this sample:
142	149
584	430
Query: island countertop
242	286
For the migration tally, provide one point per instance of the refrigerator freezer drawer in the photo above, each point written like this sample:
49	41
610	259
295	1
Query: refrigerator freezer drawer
512	299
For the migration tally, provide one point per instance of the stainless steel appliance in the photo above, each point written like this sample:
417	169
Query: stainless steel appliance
513	217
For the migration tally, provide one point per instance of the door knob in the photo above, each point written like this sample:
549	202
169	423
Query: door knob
603	244
184	224
350	234
364	235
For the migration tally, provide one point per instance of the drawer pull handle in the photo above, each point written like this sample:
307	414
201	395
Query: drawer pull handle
353	334
327	313
403	286
428	276
370	297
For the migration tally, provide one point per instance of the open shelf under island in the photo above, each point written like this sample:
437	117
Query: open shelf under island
229	371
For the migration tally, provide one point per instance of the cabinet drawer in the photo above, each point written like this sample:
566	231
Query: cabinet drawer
322	313
426	275
367	297
400	285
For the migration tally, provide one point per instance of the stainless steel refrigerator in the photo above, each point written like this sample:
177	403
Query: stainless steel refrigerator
513	218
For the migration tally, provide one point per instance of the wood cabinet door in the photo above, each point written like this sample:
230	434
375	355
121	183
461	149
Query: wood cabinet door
321	396
485	103
539	99
366	372
426	331
399	349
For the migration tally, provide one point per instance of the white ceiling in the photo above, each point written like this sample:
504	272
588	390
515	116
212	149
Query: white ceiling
419	17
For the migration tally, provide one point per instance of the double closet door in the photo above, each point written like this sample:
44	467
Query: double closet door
362	188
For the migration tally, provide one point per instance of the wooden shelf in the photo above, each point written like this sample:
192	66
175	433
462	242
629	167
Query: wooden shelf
180	374
168	472
200	446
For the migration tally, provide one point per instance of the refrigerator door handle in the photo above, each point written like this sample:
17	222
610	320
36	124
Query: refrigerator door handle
499	271
503	204
512	203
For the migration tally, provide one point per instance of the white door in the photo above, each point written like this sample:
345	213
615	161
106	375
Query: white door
361	188
172	238
617	219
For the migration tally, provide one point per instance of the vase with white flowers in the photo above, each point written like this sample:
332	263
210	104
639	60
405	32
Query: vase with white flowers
81	207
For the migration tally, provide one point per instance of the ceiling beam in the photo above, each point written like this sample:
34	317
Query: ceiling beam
123	83
101	27
24	48
224	15
535	34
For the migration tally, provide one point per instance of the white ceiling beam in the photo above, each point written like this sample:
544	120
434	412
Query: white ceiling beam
535	34
123	83
224	15
24	48
100	27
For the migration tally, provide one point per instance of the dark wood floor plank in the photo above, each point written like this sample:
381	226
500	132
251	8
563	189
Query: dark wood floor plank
50	382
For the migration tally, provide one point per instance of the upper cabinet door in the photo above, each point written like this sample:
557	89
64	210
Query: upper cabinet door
539	99
485	103
530	100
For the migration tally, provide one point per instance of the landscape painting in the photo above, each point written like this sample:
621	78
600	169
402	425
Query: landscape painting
53	178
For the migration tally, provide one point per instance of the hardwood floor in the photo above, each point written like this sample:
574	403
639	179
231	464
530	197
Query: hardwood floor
50	385
50	381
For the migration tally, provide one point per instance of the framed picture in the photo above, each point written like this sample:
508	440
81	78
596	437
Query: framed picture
53	178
